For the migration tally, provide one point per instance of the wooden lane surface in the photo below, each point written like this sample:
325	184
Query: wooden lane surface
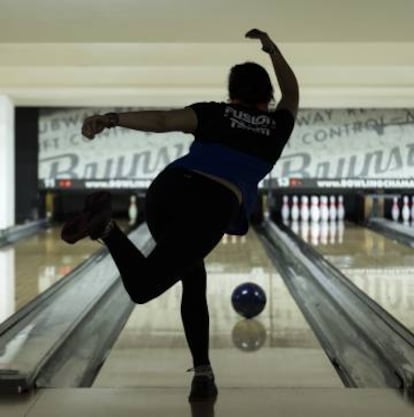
151	351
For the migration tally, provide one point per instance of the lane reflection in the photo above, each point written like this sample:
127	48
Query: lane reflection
381	267
32	265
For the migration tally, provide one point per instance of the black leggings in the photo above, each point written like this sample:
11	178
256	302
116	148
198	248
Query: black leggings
187	215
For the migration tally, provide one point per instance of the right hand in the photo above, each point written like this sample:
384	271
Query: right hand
267	44
93	125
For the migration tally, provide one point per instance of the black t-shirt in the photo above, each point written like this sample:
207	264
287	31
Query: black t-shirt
255	132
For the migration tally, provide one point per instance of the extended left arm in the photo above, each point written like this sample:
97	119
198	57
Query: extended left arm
183	120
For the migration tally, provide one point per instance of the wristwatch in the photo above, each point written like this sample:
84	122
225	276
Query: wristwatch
112	119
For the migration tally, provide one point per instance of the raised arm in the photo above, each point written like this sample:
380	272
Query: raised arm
286	78
183	120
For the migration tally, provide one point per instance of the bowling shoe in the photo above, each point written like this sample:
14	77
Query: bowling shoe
203	387
92	221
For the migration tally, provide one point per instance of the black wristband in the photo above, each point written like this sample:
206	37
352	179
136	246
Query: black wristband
112	119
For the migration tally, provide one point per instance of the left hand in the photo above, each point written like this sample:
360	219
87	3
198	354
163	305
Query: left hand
267	44
94	125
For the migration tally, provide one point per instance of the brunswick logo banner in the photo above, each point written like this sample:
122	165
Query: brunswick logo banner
339	143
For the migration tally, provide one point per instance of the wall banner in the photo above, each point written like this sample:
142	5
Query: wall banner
339	143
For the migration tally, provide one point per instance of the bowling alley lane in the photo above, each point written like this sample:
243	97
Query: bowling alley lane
31	265
275	349
381	267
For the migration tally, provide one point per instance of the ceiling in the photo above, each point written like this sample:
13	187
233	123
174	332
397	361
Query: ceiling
169	53
222	21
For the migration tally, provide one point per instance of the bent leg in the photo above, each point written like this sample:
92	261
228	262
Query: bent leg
173	257
187	215
128	258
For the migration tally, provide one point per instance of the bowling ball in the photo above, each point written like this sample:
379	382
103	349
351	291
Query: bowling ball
249	335
248	299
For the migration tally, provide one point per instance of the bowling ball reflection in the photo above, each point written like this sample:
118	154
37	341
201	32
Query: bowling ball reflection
249	335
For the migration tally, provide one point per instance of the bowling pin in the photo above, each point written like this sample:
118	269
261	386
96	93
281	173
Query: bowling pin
314	210
341	209
304	208
405	213
132	210
285	209
233	239
395	210
225	239
294	212
332	208
324	210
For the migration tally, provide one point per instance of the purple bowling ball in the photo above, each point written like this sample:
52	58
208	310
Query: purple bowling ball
248	299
